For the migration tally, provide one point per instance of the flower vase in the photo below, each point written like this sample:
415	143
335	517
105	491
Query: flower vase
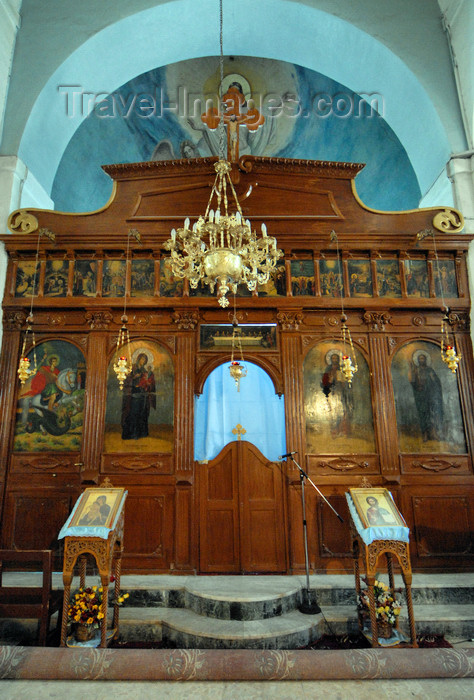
83	633
384	630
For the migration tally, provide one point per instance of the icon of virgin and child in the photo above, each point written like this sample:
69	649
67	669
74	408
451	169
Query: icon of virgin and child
139	396
97	513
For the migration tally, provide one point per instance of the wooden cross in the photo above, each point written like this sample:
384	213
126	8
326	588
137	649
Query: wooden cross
233	119
239	431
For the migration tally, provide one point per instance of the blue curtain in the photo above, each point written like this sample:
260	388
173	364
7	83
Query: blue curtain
256	407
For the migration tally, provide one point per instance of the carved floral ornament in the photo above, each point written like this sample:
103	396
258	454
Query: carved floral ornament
436	465
458	320
98	320
377	320
186	320
15	319
343	465
290	320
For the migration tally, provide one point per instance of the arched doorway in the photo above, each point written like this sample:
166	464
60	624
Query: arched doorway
241	494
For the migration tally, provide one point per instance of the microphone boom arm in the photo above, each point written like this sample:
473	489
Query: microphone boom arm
314	486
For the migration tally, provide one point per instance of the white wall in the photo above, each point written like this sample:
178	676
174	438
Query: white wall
9	24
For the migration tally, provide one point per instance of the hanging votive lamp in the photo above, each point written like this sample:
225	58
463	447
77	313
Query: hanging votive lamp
123	366
25	371
349	363
237	369
448	351
349	367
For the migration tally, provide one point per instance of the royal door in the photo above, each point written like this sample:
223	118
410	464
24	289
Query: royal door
242	513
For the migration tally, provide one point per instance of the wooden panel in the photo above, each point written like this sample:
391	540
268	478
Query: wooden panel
334	536
435	464
149	525
219	513
34	520
221	529
262	512
185	529
94	413
295	517
342	465
184	402
384	410
45	464
8	383
138	463
442	527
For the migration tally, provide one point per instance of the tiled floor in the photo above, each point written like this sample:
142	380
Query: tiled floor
444	689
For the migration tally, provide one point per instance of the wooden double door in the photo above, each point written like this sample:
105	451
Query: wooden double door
242	514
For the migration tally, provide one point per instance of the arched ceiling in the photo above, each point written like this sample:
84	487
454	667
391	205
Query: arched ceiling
157	116
397	50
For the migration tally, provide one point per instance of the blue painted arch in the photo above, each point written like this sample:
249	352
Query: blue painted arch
298	33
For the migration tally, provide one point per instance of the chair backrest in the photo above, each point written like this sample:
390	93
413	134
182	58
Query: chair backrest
15	560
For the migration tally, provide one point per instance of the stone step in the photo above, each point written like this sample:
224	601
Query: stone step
185	629
261	597
261	611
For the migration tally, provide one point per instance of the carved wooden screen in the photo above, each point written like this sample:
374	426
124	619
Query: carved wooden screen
392	288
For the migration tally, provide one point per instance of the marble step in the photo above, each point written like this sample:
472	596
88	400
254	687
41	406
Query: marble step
262	597
181	627
184	629
192	611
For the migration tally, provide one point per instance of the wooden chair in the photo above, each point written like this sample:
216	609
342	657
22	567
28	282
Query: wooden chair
30	602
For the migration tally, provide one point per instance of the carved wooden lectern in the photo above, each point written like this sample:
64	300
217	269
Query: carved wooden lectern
371	554
105	547
370	544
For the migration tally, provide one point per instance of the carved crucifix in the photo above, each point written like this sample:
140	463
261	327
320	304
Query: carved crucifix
234	118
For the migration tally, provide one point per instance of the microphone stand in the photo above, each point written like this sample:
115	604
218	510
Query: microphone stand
308	606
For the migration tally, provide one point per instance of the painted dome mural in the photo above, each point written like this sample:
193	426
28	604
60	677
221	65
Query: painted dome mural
157	116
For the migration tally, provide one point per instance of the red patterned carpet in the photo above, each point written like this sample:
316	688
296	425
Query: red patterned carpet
36	663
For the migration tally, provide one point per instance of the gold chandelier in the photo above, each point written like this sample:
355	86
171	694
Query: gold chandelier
221	249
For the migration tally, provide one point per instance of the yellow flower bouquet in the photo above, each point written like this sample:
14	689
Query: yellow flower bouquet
387	606
85	607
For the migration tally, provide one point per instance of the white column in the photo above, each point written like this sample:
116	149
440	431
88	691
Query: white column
13	174
461	174
9	24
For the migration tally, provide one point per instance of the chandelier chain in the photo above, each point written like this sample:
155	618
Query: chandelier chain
126	273
445	308
222	132
221	249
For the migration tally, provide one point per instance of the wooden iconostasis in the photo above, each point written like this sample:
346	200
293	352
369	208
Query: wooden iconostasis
405	424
